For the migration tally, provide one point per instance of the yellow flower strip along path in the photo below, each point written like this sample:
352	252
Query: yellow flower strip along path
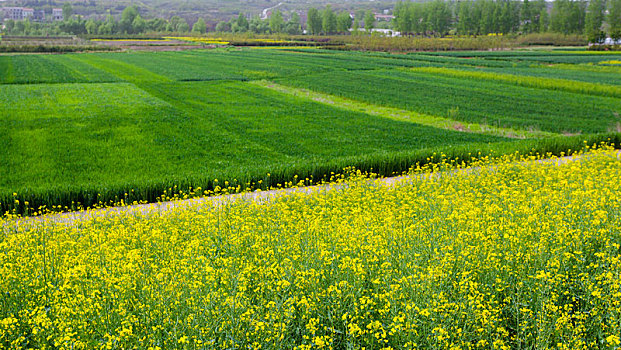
339	181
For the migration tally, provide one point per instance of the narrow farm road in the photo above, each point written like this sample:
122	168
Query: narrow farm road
260	196
265	11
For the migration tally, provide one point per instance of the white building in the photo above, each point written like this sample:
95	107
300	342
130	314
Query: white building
27	13
17	13
14	13
57	14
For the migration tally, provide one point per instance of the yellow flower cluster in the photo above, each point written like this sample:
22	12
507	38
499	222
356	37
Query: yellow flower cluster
209	41
611	62
515	254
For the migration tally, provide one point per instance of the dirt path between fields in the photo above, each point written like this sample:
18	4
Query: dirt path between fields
402	114
261	196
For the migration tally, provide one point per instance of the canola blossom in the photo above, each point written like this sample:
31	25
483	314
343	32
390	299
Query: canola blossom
611	62
214	41
517	253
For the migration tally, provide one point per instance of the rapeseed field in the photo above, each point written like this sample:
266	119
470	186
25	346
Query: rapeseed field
511	253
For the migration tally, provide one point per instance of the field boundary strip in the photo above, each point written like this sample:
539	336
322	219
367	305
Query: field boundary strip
403	115
579	87
149	209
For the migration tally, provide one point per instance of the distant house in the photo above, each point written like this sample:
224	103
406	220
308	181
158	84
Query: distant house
14	13
384	32
57	15
21	13
27	13
381	17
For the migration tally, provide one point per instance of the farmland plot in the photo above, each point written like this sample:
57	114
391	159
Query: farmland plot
471	100
81	128
106	139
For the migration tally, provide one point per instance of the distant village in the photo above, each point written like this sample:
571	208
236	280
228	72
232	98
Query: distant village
25	13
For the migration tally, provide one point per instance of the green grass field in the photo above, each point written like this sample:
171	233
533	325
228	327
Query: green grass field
85	128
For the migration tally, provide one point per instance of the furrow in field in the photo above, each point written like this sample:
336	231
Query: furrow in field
404	115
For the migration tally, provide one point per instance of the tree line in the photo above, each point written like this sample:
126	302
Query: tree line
325	21
130	23
482	17
595	18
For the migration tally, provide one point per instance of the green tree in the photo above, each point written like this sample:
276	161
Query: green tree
614	19
223	27
276	22
172	24
401	17
157	24
419	13
91	27
20	28
9	26
463	17
577	16
109	26
183	26
568	16
544	19
67	11
242	23
139	25
314	23
199	26
128	16
259	26
510	17
355	26
594	19
343	22
293	26
526	16
439	17
496	17
369	21
486	24
328	20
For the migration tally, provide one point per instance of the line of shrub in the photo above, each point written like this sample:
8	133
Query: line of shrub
53	48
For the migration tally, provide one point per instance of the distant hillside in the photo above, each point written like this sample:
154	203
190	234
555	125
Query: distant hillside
210	10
